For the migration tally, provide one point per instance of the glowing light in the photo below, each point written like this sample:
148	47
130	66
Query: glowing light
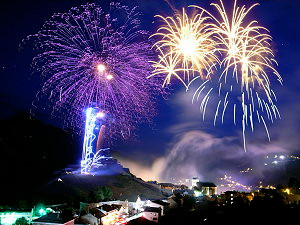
101	68
100	115
246	170
42	211
288	191
109	77
282	157
234	184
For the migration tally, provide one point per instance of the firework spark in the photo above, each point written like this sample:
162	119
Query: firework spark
185	47
89	57
246	52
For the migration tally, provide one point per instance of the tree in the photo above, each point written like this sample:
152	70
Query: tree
81	195
67	214
102	193
189	202
294	185
21	221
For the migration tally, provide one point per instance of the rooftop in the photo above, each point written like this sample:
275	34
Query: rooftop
206	184
152	209
52	218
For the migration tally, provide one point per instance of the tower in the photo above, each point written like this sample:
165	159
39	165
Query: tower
195	180
95	158
94	129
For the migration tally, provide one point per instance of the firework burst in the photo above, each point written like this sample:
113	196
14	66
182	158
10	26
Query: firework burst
185	48
89	57
246	52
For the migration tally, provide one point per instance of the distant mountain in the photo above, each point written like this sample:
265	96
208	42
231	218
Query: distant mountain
30	152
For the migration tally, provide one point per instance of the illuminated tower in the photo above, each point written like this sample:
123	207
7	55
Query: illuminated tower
92	154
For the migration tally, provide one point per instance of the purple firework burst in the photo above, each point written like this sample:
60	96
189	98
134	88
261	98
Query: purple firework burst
89	57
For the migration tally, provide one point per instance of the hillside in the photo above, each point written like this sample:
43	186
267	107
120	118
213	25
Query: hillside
124	186
31	152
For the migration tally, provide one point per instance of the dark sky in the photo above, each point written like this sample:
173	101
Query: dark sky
178	143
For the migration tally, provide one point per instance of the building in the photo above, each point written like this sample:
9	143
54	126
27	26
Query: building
158	204
172	203
152	214
167	186
89	219
207	188
53	219
139	221
195	180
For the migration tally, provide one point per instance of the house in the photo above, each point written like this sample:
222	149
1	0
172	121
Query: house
98	213
183	192
89	219
206	188
53	219
169	186
111	207
172	203
138	206
151	213
158	204
140	221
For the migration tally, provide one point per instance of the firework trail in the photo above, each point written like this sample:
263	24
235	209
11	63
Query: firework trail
185	48
89	57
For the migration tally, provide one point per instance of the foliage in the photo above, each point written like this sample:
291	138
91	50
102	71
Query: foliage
102	193
21	221
189	202
67	213
294	185
99	194
81	196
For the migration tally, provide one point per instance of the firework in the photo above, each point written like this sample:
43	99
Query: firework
246	52
89	57
185	48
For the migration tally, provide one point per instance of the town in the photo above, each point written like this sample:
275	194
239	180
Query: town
178	205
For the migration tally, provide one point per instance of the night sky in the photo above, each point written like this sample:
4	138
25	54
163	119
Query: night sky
178	143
